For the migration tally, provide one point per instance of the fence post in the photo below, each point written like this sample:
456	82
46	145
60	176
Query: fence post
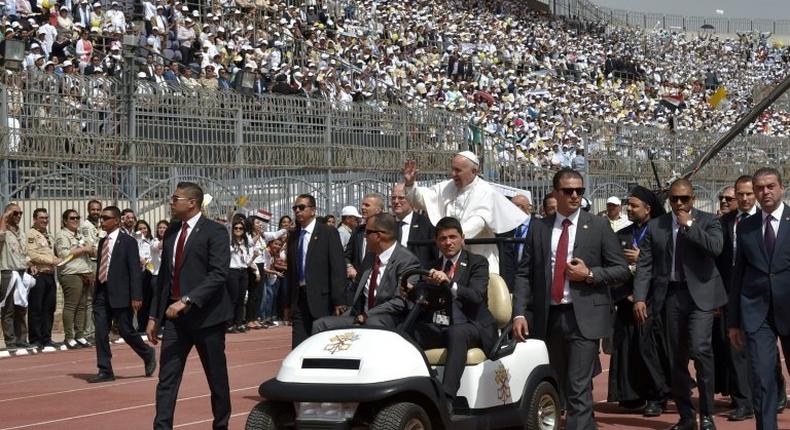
131	137
5	189
328	197
238	140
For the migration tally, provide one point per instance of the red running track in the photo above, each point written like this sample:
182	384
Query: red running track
49	391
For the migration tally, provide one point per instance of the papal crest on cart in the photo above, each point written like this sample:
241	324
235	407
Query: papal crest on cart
502	380
341	342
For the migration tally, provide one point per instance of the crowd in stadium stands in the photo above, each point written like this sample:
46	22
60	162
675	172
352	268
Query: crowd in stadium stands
512	72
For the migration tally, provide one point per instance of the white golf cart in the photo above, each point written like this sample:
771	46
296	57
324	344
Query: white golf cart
379	379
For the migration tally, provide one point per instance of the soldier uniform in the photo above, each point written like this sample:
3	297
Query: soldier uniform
92	234
42	299
13	257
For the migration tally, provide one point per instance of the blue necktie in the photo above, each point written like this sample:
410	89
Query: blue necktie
521	233
300	257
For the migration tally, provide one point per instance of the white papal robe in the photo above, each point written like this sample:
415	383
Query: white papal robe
482	210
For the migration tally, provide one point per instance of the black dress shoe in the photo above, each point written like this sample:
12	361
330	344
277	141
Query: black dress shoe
150	365
741	413
706	423
101	377
653	409
782	403
685	424
23	345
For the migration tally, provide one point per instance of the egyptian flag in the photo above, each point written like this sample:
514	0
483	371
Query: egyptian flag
673	101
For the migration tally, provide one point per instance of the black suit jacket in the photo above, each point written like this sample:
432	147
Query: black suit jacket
760	282
353	252
203	275
471	277
726	259
422	229
400	261
597	245
325	273
703	244
124	275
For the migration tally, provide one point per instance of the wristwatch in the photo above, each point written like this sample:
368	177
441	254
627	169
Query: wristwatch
186	300
590	277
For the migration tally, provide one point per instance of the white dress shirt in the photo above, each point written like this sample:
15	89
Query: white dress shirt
404	229
777	214
675	227
454	261
384	257
556	231
110	241
306	244
191	223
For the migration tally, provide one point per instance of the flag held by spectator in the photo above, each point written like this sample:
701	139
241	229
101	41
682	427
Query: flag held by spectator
673	101
717	97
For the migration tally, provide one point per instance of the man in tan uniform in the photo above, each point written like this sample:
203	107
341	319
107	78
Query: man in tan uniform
92	232
13	258
42	298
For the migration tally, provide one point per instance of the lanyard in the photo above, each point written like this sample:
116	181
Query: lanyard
641	235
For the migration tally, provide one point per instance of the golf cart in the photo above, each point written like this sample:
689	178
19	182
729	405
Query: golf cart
380	379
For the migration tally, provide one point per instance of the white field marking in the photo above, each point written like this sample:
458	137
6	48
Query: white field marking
209	420
112	411
118	384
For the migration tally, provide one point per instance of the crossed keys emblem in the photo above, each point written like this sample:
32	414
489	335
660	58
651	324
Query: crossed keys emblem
341	342
502	380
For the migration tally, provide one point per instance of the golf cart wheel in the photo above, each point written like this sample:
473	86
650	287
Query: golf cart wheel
268	415
544	408
401	416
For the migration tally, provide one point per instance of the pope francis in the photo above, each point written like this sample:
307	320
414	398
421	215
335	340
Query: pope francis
482	210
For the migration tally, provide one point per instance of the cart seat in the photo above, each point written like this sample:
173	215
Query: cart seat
501	307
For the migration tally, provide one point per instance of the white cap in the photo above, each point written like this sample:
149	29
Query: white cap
469	155
350	211
613	201
67	63
141	75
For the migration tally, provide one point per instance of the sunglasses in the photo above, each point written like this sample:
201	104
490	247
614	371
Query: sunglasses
367	232
300	207
16	213
74	218
569	191
174	199
238	228
726	198
106	218
681	199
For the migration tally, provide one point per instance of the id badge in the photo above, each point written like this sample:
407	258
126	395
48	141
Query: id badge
440	318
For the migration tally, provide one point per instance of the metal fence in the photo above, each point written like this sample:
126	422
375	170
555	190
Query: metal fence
587	11
66	140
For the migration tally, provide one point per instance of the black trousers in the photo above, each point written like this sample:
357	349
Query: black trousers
149	286
41	302
457	338
690	332
256	292
177	343
103	316
652	347
574	358
762	349
302	319
237	288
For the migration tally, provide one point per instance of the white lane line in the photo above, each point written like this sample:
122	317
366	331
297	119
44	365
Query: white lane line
209	420
192	357
112	411
113	385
